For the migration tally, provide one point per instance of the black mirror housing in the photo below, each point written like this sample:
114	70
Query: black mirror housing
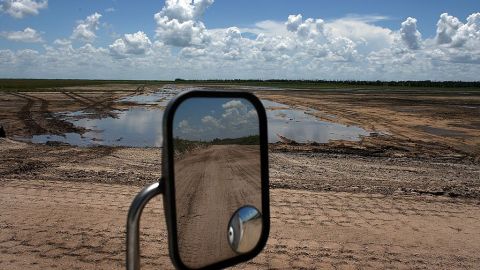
171	186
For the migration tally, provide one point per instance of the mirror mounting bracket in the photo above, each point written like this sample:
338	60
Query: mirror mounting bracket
133	222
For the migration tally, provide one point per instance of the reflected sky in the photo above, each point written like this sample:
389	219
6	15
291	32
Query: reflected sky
301	126
200	119
136	127
204	119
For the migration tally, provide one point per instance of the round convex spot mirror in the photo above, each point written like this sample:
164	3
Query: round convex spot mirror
244	229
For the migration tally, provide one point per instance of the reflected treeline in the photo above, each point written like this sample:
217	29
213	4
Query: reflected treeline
182	146
248	140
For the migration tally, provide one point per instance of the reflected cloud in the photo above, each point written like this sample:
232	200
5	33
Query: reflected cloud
204	119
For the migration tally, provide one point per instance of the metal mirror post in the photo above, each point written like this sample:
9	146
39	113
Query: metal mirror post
133	223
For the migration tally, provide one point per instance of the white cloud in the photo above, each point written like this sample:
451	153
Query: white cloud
20	8
131	44
178	23
410	35
451	31
353	47
183	124
447	27
110	9
27	35
233	104
85	29
293	22
367	36
62	42
210	122
235	118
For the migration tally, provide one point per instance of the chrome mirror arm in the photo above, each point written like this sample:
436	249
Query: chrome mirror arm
133	222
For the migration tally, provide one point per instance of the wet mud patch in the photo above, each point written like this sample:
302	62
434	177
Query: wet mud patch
442	131
140	125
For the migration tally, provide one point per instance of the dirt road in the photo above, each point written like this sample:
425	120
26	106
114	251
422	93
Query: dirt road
211	184
62	225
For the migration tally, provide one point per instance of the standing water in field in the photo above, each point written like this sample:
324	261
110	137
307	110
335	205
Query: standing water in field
141	125
285	123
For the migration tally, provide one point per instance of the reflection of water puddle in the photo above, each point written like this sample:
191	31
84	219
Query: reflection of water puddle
302	127
140	126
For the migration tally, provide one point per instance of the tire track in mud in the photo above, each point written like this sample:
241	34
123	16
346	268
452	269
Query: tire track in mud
26	116
100	108
42	121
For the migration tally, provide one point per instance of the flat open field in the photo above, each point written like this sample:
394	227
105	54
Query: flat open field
409	199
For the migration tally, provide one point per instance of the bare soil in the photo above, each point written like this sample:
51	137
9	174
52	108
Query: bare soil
75	225
410	199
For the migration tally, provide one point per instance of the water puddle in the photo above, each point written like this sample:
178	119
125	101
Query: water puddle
141	126
285	123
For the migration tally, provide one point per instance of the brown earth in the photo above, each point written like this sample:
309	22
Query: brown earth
407	200
26	113
69	225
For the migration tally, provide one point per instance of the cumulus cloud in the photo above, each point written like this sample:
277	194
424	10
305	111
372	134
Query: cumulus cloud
183	124
367	36
447	27
210	122
293	22
27	35
410	35
353	47
20	8
85	29
131	44
233	104
178	23
451	31
310	28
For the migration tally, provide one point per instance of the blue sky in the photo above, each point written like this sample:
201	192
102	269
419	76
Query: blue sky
342	40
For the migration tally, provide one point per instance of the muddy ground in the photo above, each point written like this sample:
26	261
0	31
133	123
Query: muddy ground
409	199
404	123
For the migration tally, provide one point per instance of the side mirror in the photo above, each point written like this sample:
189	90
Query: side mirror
215	180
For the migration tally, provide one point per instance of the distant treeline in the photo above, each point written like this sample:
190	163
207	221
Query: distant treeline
340	83
52	83
7	84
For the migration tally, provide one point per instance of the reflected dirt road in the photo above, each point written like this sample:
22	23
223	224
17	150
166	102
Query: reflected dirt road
220	179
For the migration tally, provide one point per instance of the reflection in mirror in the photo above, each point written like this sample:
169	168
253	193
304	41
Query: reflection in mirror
217	171
244	229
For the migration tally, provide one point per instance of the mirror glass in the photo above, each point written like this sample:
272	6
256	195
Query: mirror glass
245	229
216	144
